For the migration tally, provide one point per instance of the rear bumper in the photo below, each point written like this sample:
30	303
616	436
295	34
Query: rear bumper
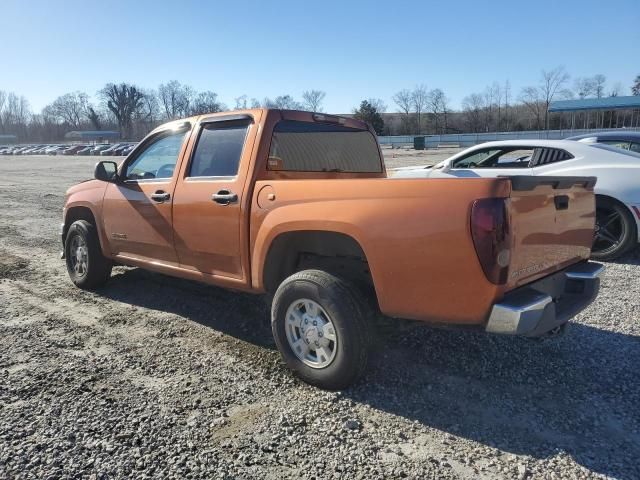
546	304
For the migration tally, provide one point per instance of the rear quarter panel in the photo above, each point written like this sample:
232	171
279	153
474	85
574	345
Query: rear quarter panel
415	234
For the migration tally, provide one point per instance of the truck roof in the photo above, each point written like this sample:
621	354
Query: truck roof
301	115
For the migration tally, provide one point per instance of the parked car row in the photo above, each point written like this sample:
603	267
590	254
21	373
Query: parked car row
104	149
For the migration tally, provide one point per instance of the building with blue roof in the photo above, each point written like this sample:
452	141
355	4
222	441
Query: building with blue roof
605	112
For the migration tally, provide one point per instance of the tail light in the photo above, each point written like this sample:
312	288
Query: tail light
492	237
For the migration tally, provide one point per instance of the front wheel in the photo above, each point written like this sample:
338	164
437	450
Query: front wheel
87	267
321	327
615	231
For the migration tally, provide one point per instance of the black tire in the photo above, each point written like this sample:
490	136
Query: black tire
348	312
615	230
97	268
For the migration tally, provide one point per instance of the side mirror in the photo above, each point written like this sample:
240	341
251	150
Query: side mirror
106	171
444	166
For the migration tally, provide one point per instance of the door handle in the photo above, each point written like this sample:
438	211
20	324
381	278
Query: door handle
160	196
561	201
224	197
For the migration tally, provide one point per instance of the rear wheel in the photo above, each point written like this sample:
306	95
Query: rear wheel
321	327
615	231
86	265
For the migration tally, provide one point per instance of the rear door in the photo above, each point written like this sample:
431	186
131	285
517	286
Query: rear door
552	221
209	200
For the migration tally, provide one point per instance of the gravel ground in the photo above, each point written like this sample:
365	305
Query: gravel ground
154	377
405	157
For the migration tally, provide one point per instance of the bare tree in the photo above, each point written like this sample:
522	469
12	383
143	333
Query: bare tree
241	102
472	107
124	101
378	104
599	82
282	102
206	102
437	104
175	99
312	100
3	100
584	87
537	99
150	112
616	90
532	98
405	104
71	108
419	100
16	112
507	114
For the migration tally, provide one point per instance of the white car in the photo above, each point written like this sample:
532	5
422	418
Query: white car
617	189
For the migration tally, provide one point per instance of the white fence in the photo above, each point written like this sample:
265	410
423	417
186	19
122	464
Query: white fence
469	139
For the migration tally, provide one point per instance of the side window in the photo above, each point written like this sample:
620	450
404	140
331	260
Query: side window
218	151
158	159
497	158
545	156
617	143
634	147
472	160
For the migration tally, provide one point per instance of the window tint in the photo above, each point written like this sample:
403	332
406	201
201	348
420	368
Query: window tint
158	159
219	149
496	158
320	147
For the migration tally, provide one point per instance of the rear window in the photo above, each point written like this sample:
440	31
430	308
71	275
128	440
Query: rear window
321	147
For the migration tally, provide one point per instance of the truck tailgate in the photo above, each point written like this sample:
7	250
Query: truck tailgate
552	222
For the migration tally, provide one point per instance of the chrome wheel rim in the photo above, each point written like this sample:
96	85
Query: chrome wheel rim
79	255
311	333
609	231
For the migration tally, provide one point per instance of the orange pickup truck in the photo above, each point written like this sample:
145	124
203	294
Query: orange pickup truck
298	205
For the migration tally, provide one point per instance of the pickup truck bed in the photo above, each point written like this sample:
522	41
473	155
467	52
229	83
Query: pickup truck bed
299	205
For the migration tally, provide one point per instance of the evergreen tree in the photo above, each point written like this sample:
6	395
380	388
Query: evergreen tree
369	113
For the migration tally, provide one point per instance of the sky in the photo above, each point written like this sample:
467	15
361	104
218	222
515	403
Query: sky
350	49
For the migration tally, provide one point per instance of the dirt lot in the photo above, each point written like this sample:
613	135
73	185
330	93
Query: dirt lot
153	377
405	157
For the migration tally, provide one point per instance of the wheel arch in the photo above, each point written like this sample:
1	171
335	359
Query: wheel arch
636	220
297	250
77	212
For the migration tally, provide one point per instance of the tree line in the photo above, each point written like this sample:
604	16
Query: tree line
134	111
498	108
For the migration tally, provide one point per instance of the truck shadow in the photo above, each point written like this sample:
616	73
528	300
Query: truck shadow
574	394
240	315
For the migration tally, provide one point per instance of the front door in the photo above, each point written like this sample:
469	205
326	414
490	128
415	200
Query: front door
137	210
208	201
